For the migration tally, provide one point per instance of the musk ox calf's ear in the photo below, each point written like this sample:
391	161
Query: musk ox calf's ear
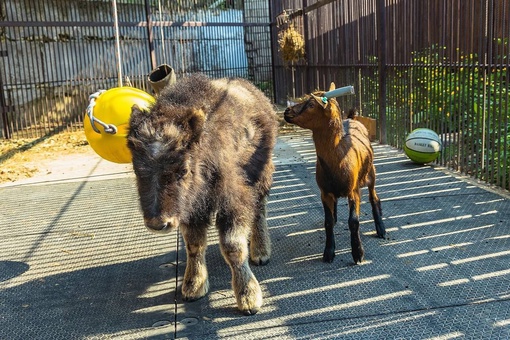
137	115
194	124
135	121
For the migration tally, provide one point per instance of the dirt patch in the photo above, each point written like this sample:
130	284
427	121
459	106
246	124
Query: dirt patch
26	158
62	155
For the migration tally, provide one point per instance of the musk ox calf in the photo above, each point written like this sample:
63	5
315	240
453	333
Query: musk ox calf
202	156
345	164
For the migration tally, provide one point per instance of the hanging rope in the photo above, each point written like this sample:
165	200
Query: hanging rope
108	128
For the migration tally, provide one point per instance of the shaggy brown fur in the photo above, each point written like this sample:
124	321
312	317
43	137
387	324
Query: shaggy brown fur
202	156
344	166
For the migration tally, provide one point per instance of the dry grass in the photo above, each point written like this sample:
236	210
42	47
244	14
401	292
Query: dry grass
24	158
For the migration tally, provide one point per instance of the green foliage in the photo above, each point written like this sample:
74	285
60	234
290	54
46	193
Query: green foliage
463	100
469	100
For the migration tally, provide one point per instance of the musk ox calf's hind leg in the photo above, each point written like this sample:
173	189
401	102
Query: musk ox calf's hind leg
202	156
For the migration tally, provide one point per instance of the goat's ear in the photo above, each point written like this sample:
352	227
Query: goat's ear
322	101
332	86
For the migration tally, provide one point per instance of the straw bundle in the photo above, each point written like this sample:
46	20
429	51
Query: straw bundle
292	44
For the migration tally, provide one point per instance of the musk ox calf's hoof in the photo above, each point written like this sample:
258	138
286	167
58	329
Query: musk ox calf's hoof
259	257
250	312
249	300
193	290
259	262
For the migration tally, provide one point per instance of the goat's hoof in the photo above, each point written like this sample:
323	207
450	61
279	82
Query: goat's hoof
381	234
358	255
328	256
381	230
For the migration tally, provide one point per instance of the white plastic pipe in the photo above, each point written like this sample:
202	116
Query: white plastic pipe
341	91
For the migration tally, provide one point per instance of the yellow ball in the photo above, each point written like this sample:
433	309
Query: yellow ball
114	107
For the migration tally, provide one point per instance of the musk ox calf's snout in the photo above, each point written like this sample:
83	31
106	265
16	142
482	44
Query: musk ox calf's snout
161	225
202	156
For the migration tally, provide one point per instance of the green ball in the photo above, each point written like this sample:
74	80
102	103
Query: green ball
422	146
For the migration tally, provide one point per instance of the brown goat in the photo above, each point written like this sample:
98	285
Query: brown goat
344	166
202	156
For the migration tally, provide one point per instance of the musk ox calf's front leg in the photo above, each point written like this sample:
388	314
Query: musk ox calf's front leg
196	281
202	156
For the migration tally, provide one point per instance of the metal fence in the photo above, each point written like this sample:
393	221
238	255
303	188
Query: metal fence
440	64
53	55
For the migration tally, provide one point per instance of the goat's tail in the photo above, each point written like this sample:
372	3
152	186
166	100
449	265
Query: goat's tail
353	113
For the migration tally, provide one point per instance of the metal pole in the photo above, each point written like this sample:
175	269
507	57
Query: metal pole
381	46
4	110
152	53
117	43
272	34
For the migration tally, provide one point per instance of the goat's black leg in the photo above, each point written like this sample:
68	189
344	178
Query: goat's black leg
376	207
335	213
329	203
356	247
377	213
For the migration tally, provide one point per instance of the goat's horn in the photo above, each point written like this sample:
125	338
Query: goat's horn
341	91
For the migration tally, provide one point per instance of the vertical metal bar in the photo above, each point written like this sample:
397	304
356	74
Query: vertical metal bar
381	39
498	96
3	107
272	35
506	106
306	36
490	115
117	42
150	37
